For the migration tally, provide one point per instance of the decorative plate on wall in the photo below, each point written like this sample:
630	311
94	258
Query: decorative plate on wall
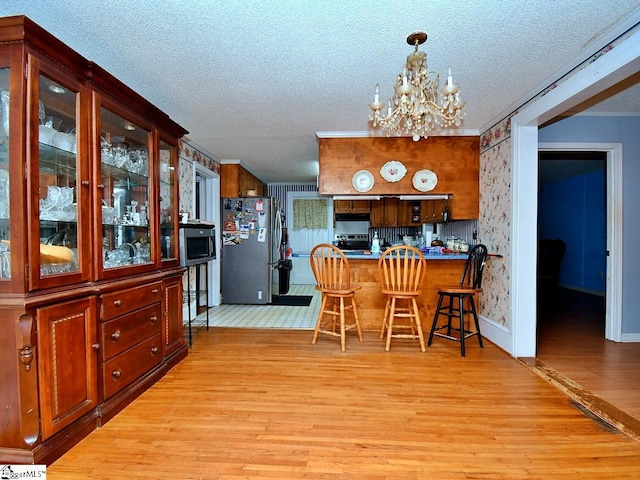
363	180
393	171
425	180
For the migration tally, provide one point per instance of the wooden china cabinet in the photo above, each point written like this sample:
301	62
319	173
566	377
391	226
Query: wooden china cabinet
90	281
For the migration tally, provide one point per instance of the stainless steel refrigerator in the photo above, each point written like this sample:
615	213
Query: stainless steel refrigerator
251	249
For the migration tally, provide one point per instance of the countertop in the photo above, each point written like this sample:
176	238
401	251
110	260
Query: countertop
360	255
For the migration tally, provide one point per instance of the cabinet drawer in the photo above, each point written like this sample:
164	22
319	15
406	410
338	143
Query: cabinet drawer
124	332
125	301
123	369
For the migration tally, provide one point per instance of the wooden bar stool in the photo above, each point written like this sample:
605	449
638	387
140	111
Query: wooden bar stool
464	292
401	272
333	278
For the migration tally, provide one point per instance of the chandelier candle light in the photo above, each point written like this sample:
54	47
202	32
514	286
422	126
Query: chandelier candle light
417	108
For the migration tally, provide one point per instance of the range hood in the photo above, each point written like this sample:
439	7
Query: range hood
352	217
357	197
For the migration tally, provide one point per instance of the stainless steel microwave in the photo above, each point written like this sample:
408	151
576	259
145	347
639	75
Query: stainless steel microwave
197	244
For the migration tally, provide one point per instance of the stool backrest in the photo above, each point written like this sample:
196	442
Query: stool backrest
473	268
330	268
402	269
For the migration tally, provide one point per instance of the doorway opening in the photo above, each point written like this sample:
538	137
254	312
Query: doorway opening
571	263
207	207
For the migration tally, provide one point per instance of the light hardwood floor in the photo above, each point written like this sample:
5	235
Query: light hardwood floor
256	404
571	342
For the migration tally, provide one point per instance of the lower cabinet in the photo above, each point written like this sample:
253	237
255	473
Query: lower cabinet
72	359
67	359
132	345
172	319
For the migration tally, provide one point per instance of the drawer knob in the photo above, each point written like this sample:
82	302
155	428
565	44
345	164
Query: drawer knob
117	303
95	346
116	374
115	335
154	350
155	290
153	318
85	183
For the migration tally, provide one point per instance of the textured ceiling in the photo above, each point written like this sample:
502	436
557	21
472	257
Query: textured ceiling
254	80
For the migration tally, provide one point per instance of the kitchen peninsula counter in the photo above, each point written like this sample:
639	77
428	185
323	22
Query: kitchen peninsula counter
442	268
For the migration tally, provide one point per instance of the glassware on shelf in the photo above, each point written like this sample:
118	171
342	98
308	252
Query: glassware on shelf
4	193
58	205
4	98
5	261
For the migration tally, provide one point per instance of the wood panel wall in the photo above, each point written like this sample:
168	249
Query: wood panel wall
455	160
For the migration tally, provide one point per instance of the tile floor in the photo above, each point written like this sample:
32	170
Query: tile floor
264	316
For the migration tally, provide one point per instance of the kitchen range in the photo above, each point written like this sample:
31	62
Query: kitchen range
351	241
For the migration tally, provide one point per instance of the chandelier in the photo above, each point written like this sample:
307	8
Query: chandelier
417	108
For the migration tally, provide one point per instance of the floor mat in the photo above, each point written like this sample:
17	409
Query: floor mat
292	300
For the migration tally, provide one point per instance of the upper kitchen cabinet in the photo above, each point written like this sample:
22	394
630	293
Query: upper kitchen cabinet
351	206
454	161
237	181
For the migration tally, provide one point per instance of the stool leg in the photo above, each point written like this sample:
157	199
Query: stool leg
475	319
355	315
416	314
319	321
450	315
392	309
435	319
336	313
462	330
343	336
384	319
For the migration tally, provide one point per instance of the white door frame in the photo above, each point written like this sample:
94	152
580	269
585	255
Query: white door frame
618	64
613	279
211	213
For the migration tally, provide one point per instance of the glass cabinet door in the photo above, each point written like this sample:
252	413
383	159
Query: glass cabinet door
168	185
59	182
125	167
5	254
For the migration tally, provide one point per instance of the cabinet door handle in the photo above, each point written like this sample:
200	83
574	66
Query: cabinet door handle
115	335
95	346
85	183
117	303
154	350
153	318
100	186
116	374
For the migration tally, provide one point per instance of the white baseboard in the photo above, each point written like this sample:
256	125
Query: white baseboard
496	333
630	337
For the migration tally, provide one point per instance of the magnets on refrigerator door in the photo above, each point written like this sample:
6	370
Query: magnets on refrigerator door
262	234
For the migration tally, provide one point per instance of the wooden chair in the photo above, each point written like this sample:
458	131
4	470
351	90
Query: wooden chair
333	278
401	272
469	286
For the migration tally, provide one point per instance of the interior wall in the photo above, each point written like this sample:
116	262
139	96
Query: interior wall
574	210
